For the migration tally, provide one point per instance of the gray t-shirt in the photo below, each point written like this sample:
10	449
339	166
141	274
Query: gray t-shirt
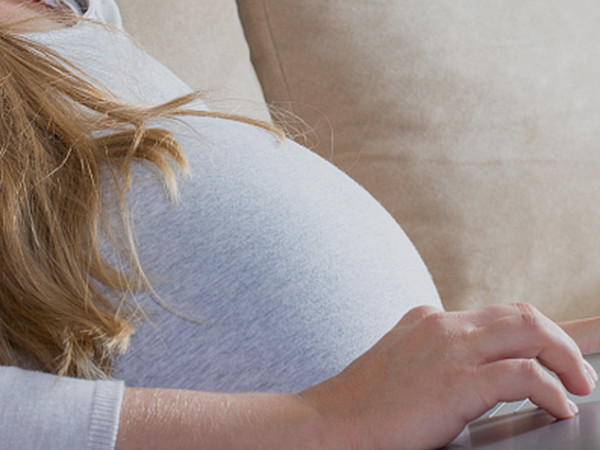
289	269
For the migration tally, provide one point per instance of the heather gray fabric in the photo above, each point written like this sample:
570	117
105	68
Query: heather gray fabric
290	267
294	269
41	411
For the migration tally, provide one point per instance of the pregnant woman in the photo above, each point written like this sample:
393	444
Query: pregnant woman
246	292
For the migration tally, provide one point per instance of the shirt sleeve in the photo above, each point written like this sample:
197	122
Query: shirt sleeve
41	410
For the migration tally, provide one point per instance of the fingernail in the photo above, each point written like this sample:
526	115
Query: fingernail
590	374
590	379
591	370
572	406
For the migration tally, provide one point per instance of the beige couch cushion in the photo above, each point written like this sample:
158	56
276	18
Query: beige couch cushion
203	43
477	124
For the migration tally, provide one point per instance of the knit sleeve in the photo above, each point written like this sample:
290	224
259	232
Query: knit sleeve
44	411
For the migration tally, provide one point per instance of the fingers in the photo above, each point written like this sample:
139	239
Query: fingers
511	338
515	379
484	316
477	318
531	335
418	313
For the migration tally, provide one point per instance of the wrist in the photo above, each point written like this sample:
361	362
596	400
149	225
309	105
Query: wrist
336	423
296	421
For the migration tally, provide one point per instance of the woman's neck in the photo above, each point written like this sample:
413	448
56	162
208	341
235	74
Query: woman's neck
27	16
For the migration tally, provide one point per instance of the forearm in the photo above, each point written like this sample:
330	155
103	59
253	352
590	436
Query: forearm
163	418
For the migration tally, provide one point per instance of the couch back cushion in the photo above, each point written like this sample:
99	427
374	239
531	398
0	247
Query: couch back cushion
477	124
202	42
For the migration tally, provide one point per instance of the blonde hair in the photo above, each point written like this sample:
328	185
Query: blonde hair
57	292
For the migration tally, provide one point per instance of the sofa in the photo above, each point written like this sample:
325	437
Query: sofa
476	124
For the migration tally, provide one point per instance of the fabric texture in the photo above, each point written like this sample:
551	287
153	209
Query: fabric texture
291	269
474	123
41	411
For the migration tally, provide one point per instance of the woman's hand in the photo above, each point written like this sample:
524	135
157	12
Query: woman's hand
416	388
436	371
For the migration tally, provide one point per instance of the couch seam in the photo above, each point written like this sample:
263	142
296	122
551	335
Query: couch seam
277	57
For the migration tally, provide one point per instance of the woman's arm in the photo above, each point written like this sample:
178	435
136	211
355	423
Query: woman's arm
163	418
417	387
